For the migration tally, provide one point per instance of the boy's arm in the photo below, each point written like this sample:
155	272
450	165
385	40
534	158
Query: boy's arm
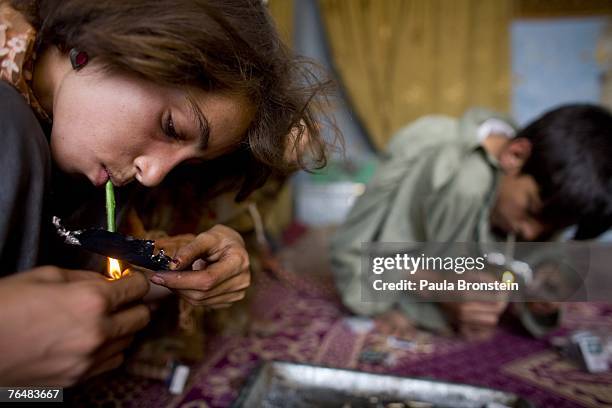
461	187
415	210
448	215
383	213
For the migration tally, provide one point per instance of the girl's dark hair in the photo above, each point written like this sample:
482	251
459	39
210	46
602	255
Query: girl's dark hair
215	45
571	161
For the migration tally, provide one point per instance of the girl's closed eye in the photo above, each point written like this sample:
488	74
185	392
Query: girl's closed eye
170	129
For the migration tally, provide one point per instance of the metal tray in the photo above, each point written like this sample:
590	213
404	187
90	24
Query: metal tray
284	384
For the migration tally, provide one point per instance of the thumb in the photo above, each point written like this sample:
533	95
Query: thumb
203	246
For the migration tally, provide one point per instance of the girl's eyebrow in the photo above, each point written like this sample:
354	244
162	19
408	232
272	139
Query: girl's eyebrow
203	124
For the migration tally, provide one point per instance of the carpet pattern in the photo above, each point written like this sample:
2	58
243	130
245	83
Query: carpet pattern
303	321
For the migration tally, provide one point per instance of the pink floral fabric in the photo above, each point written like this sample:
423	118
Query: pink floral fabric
17	55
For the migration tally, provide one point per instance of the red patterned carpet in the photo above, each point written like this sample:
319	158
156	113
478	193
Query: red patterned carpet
296	316
294	326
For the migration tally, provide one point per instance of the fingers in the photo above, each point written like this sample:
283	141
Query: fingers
394	323
175	240
204	246
224	273
76	368
146	272
237	283
53	274
128	289
123	325
129	321
480	319
229	291
111	349
76	276
171	245
476	319
543	308
204	280
109	364
476	332
194	297
199	264
210	246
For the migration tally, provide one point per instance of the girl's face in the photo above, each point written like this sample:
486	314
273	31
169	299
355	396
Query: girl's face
117	127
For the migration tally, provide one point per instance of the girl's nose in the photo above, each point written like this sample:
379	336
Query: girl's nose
150	171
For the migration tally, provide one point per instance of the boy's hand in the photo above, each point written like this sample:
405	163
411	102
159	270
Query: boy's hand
219	264
61	326
544	308
395	323
475	320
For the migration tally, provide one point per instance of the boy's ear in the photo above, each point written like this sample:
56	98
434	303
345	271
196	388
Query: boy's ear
514	156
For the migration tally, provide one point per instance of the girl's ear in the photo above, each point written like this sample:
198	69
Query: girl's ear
514	156
78	59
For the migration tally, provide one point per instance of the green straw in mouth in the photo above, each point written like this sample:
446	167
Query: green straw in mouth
110	207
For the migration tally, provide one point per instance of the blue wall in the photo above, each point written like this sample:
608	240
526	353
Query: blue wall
553	62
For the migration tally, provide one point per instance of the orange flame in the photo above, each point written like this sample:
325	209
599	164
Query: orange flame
114	269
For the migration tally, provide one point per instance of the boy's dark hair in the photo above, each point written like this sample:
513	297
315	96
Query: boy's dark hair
571	161
215	45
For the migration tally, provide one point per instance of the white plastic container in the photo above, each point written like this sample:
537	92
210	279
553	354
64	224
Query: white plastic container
323	204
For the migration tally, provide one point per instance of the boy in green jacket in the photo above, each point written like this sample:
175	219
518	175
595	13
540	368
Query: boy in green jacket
476	179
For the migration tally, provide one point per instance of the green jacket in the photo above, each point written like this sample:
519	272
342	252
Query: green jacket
435	183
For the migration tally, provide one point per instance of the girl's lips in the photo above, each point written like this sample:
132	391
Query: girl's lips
117	182
102	177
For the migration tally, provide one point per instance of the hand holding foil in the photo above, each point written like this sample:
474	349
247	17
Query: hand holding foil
211	269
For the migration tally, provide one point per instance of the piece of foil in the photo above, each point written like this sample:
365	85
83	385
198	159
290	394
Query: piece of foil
139	252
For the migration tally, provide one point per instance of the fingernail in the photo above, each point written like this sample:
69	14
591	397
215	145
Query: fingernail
158	280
